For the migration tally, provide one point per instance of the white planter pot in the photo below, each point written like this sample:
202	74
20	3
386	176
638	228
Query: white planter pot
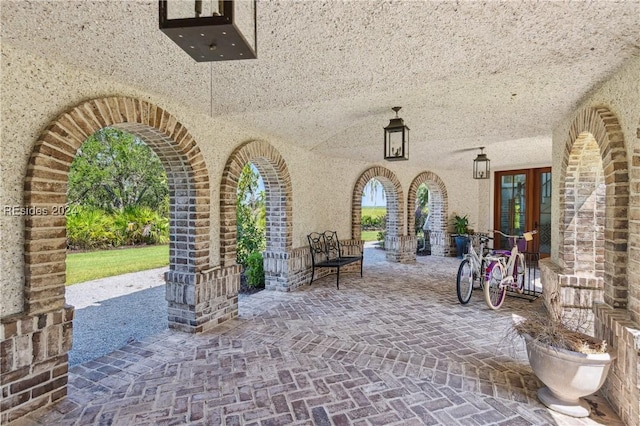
568	376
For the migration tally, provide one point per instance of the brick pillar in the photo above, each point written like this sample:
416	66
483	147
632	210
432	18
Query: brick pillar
622	387
276	270
440	243
33	361
569	296
401	249
200	301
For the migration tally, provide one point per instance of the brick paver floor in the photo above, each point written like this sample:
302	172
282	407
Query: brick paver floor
394	347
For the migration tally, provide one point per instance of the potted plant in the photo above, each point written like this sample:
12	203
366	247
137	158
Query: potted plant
571	364
461	228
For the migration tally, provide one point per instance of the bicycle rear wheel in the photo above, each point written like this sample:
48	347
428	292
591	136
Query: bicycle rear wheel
464	283
519	273
494	293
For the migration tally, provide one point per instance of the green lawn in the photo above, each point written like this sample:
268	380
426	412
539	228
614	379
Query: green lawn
369	235
83	267
374	211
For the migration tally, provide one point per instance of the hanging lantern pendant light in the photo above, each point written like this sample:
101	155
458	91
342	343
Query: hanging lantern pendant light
226	32
481	166
396	139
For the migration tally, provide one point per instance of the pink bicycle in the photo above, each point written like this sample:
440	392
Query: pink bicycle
506	269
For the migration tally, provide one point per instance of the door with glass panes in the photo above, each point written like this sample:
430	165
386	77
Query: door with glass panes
523	203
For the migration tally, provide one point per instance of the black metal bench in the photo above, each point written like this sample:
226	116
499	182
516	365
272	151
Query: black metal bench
326	253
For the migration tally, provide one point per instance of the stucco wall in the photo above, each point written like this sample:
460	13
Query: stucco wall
37	91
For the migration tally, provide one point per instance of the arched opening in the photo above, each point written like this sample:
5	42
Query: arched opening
374	213
398	246
583	207
594	197
585	215
422	224
277	185
438	211
593	245
46	185
117	223
45	188
251	223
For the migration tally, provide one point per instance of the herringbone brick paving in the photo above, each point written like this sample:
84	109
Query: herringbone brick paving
394	347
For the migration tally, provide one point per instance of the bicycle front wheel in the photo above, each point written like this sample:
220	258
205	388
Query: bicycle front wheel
494	292
464	283
518	273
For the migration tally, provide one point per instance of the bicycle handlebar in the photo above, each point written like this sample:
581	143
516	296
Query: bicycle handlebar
525	235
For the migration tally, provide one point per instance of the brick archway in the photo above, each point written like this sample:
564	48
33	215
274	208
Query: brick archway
399	247
593	261
46	185
439	203
277	182
35	343
594	183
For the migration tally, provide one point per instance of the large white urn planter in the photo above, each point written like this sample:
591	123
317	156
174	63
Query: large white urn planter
568	376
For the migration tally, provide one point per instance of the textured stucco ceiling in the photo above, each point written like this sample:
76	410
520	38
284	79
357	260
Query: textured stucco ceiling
466	74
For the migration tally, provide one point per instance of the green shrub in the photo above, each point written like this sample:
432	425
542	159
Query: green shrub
255	270
141	225
89	228
250	215
381	237
372	223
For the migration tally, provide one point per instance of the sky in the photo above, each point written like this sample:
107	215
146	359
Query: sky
369	200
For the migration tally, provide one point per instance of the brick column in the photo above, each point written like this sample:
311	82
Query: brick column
440	243
622	387
569	296
33	361
200	301
276	270
286	271
401	249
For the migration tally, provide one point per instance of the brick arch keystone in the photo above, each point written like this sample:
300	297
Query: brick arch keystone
601	125
46	185
277	182
439	202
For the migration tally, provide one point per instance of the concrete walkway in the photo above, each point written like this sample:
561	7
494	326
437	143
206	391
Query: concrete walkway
394	347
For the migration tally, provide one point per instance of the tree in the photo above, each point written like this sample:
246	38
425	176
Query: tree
251	214
371	189
422	196
114	170
422	210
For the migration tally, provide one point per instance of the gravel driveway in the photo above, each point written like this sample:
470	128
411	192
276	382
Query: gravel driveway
110	312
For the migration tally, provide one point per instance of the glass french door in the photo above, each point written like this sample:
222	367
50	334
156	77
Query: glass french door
523	203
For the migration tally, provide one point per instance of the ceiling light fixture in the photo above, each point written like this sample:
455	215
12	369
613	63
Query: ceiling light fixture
396	139
481	166
226	31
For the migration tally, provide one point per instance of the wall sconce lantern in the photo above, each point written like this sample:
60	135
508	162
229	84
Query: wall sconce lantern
481	167
225	31
396	139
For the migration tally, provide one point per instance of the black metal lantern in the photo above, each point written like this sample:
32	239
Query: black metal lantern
396	139
226	30
481	167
